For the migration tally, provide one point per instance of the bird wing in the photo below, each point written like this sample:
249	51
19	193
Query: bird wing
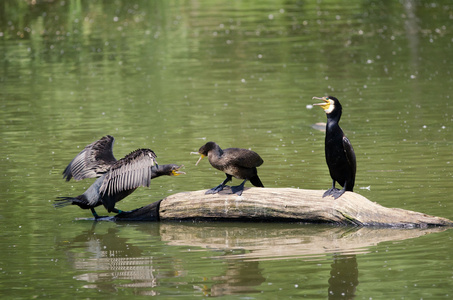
243	157
349	151
93	161
130	172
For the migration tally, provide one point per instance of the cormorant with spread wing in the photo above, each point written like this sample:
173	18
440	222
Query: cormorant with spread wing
117	178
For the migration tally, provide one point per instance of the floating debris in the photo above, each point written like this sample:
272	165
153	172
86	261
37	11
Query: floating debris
321	126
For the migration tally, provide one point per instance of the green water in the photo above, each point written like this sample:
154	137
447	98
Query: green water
171	75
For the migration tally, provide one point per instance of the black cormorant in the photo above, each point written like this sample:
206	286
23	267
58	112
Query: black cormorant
340	156
240	163
117	178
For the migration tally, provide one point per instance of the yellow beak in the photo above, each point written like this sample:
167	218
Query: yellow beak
177	172
201	157
324	105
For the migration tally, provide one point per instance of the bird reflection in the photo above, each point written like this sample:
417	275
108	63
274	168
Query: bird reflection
240	277
212	259
344	277
110	261
108	257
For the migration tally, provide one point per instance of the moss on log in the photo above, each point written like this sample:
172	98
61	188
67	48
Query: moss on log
280	204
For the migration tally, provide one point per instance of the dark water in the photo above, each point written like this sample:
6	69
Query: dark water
171	75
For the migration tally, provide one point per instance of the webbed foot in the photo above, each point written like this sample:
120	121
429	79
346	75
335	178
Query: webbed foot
215	190
330	192
337	194
237	189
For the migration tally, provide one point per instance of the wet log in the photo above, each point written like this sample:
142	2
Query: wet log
280	205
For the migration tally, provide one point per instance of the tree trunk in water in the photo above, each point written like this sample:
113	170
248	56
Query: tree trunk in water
280	205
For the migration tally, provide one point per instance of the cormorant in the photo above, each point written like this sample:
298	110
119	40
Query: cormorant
240	163
340	156
117	178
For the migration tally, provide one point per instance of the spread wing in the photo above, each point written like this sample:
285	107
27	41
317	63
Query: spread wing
243	157
130	172
93	161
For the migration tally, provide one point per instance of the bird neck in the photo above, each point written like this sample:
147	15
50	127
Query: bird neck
333	130
157	171
216	152
331	123
333	118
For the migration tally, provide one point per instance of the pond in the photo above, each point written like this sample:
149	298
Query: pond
172	75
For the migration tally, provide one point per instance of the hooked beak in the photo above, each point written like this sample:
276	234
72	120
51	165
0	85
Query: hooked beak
324	105
177	172
201	157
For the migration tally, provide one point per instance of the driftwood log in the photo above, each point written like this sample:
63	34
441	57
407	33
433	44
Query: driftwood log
279	205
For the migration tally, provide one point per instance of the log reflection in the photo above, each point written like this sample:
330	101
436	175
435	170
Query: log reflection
216	259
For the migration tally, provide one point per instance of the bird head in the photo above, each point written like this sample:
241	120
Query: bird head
175	170
204	150
172	169
329	103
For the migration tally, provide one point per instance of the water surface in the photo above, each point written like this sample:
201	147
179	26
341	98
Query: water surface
172	75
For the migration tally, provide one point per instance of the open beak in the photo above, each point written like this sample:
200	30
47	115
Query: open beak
177	171
324	105
201	157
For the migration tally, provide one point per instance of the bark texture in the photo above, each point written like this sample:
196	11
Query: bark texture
280	205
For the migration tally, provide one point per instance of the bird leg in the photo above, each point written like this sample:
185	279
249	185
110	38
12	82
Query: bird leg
337	194
220	186
97	217
239	188
332	190
116	211
95	214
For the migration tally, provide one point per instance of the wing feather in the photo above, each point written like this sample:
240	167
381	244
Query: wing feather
93	161
350	155
130	172
243	157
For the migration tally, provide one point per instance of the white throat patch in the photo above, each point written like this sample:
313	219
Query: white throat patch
331	107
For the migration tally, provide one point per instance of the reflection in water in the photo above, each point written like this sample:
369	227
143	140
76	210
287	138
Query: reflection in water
113	261
112	258
240	277
344	277
169	74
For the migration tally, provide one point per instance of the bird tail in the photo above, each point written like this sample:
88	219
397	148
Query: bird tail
64	201
81	201
255	180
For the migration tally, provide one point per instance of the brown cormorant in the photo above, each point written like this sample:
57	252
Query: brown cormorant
117	178
240	163
340	156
